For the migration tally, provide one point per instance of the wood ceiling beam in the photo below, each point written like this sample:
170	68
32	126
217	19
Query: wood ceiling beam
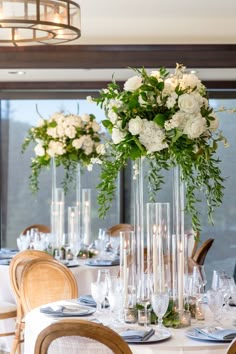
118	56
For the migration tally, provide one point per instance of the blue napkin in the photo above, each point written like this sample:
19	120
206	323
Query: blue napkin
220	334
63	310
137	335
103	262
87	300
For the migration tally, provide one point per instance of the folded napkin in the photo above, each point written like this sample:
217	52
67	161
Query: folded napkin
87	300
103	262
63	309
220	334
137	335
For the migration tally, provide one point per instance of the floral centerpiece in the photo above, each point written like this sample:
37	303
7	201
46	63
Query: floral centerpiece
167	119
70	139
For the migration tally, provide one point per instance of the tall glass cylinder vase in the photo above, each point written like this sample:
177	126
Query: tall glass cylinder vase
73	230
53	218
139	221
158	235
78	198
179	247
57	217
128	267
86	216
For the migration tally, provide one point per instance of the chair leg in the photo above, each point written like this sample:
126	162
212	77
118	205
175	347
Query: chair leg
16	345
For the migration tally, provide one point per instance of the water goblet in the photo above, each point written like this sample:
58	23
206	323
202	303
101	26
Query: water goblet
160	302
215	300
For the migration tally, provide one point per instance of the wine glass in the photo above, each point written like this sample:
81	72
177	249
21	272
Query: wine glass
202	273
160	302
115	298
144	294
98	291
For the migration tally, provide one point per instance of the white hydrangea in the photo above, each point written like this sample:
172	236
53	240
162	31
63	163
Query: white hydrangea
39	150
195	126
135	125
170	85
152	137
188	103
60	131
133	83
70	132
171	100
117	135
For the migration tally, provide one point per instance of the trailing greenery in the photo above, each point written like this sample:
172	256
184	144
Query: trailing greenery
167	119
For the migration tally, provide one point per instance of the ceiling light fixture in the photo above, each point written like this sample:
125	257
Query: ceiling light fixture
38	22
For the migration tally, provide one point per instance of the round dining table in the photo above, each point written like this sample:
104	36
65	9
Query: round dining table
178	342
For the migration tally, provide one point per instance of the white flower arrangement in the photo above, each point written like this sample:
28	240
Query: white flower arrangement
168	119
70	139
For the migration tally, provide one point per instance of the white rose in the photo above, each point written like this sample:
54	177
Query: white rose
189	80
195	126
170	85
135	125
114	103
70	132
112	116
95	126
77	143
214	124
52	132
85	117
100	149
117	135
39	150
55	148
133	83
177	121
89	99
88	150
188	103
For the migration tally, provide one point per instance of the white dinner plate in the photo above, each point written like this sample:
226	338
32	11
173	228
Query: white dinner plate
159	336
194	334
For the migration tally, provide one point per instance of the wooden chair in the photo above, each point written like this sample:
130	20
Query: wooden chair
81	328
200	254
17	265
7	311
232	347
44	281
41	228
116	229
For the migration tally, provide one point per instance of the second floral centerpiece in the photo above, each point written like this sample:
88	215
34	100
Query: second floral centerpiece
68	139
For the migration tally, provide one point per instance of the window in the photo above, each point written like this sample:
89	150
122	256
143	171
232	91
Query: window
19	207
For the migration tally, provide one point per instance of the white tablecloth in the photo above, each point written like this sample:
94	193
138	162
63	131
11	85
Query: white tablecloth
178	343
84	276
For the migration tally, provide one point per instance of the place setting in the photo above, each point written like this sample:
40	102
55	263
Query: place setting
66	309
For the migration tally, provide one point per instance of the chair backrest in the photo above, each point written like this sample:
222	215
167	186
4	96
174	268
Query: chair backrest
18	263
116	229
81	328
232	347
201	253
41	228
44	281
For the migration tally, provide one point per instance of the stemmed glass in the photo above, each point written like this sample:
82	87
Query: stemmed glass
98	291
115	298
160	302
104	277
144	295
